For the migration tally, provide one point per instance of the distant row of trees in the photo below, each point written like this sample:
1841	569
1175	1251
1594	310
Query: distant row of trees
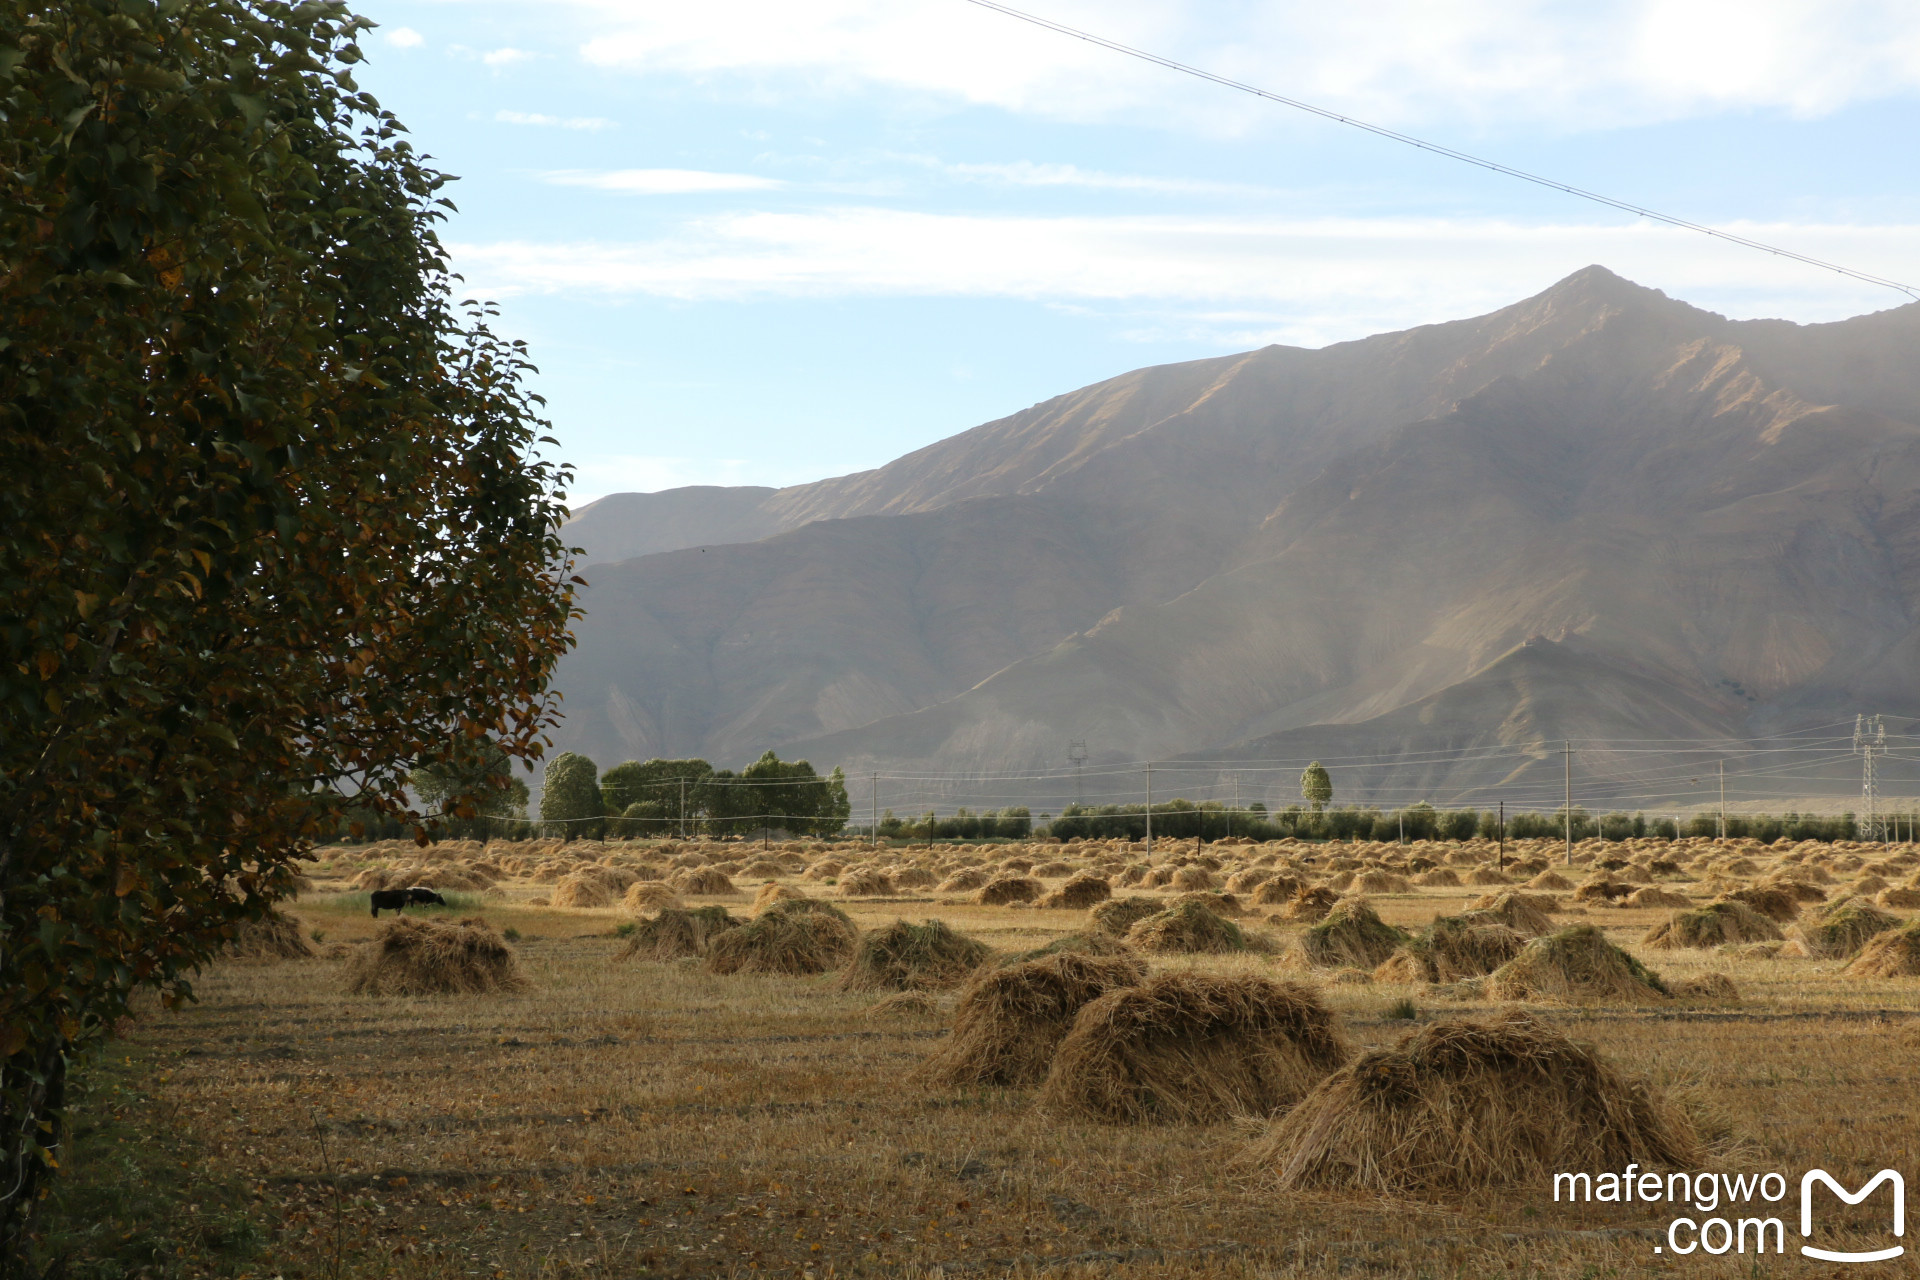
673	797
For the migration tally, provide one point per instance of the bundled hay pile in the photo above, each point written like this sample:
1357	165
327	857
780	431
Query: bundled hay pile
1844	928
912	878
1438	878
1193	1048
763	869
703	882
1277	891
965	880
1453	948
1654	896
1221	904
1311	903
1713	925
1054	870
793	938
1523	913
1601	891
1717	987
1551	880
675	933
913	957
275	936
1351	937
1087	944
1773	901
1574	965
1488	875
770	893
1193	880
1009	889
1079	893
1118	915
1459	1106
415	957
644	897
1248	879
1380	882
582	889
825	869
865	882
1009	1020
1186	928
1894	953
1903	899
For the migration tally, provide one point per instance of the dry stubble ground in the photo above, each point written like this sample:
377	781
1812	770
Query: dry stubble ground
624	1119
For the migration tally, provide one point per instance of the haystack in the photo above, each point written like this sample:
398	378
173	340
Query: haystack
1118	915
912	878
1194	1048
1901	898
643	897
1461	1106
1713	925
1187	928
1276	891
1574	965
1351	937
1009	889
1380	882
1192	879
1601	891
703	882
1311	904
1894	953
1773	901
825	869
763	869
770	892
1453	948
1488	875
965	880
865	882
411	956
1438	878
1247	879
580	890
1656	897
1844	928
913	957
1079	893
1523	913
1550	880
795	938
1009	1020
676	933
1715	987
1088	944
1054	870
1221	904
275	936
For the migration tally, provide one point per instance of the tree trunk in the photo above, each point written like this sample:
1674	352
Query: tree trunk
33	1090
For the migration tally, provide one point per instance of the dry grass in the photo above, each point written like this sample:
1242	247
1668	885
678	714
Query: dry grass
1311	903
676	933
703	882
1009	1020
1772	901
1844	928
1187	928
912	957
1193	1048
275	936
1464	1106
1523	913
1078	894
413	957
1006	889
1352	936
1575	965
1892	953
792	938
1453	948
644	897
1714	925
1118	915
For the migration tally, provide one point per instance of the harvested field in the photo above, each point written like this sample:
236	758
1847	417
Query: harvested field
1572	966
414	957
1845	927
1078	894
912	957
1118	915
675	933
1714	925
1891	953
1191	1048
793	938
1010	1019
1186	928
1352	936
998	893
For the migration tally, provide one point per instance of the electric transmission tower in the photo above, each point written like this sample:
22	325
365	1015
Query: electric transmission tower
1870	740
1077	756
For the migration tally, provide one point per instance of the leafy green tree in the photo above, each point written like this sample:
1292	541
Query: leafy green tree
476	795
668	790
1316	787
272	534
571	805
772	792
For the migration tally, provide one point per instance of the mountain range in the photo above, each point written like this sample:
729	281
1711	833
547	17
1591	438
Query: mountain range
1431	557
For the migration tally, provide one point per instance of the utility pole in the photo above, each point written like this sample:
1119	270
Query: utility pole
1077	756
1503	839
1723	799
1869	740
876	811
683	808
1149	810
1566	756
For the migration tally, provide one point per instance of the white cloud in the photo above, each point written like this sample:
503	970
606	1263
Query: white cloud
1495	62
564	122
659	182
505	57
405	38
1026	173
1319	280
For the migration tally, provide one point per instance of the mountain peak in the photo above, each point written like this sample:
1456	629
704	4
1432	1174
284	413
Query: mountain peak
1596	284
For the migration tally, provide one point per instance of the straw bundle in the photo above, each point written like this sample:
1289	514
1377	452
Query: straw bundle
419	957
1576	964
1009	1020
1716	924
794	938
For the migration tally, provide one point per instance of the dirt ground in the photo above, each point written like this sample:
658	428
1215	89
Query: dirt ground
648	1119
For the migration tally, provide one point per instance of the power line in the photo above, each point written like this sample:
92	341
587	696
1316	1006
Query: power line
1450	153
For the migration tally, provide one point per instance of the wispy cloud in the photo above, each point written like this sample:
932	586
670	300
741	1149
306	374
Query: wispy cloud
1321	280
505	57
659	182
405	38
589	123
1027	173
1598	64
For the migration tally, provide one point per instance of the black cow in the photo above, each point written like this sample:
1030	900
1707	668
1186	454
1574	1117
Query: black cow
401	899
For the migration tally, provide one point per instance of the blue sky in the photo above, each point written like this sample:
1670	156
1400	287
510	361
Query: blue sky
766	241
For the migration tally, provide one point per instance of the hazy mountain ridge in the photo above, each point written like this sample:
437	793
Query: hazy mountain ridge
1295	538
